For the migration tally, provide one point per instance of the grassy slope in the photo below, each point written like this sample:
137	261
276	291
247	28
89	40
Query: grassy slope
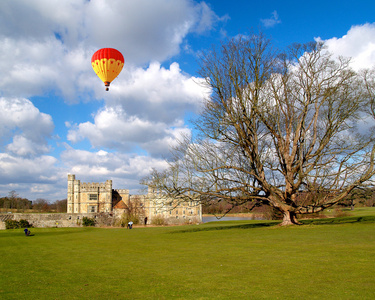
326	259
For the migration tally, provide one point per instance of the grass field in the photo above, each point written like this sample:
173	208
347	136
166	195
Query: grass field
324	259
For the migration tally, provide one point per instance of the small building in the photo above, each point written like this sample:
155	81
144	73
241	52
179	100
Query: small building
102	198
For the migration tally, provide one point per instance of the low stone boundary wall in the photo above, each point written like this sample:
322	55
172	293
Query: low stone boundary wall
56	220
43	220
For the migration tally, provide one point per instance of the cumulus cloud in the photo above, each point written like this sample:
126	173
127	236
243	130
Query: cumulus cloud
26	127
114	129
124	169
35	67
144	30
37	177
358	43
39	169
157	94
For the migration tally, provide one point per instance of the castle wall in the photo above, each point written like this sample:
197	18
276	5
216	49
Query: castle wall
51	220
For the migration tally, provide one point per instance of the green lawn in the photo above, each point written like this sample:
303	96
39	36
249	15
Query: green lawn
324	259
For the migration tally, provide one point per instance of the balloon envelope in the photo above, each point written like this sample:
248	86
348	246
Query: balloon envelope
107	64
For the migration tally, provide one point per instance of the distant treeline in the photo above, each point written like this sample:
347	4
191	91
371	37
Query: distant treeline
357	198
17	204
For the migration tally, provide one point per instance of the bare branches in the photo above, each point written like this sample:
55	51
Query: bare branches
277	125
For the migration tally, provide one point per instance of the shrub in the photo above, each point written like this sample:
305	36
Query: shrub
158	220
25	224
88	221
13	224
126	217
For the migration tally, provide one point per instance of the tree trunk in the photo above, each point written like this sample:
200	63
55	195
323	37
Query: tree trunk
289	219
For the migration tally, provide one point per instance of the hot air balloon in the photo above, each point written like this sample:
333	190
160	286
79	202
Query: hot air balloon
107	64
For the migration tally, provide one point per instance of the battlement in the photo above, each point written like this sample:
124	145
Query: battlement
91	186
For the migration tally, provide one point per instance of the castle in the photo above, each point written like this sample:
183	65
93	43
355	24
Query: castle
102	198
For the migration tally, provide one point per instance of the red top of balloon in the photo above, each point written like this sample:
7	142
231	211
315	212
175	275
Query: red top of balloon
107	53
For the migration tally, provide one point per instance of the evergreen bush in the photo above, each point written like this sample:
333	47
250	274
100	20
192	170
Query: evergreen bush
24	224
88	221
13	224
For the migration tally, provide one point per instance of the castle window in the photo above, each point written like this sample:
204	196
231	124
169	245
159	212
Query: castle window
93	197
92	209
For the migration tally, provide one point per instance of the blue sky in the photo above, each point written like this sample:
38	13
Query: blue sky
55	116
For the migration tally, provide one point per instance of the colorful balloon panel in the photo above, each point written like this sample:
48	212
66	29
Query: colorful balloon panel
107	64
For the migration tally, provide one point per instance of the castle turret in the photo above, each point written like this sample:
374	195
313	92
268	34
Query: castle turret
70	197
108	196
77	196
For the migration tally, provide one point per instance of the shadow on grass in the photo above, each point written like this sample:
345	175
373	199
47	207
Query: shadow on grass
223	226
327	221
336	221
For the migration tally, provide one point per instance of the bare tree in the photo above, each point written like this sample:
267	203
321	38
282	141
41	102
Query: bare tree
41	205
135	210
276	125
60	205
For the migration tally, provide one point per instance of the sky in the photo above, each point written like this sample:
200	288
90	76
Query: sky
56	117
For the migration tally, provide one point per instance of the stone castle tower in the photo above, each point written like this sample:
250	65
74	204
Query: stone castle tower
89	197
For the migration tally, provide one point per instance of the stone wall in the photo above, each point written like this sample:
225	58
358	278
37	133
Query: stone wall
56	220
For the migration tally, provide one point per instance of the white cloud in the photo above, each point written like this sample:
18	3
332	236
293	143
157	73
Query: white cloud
34	67
124	169
21	146
156	93
144	30
206	18
114	129
271	22
28	128
17	169
358	43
